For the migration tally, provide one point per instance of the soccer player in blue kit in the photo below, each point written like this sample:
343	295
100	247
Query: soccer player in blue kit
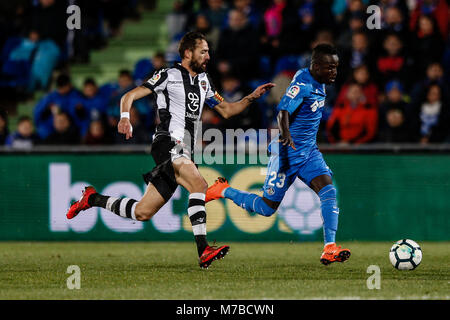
294	153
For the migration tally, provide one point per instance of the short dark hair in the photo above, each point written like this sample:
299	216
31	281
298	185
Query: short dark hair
321	50
189	42
63	80
126	73
90	81
23	119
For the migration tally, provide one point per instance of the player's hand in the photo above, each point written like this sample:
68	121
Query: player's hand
261	90
287	141
125	127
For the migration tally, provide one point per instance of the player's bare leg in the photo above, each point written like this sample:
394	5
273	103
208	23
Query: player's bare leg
323	186
187	175
141	210
150	204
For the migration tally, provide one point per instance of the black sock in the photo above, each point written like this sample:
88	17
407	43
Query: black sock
97	200
123	207
201	244
197	216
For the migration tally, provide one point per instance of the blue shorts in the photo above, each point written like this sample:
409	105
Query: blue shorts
288	164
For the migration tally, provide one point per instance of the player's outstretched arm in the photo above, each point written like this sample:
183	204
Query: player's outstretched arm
126	102
283	125
229	109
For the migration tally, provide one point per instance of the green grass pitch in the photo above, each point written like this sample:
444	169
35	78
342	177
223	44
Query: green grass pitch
160	270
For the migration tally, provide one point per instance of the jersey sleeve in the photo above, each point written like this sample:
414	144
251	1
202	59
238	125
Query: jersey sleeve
294	96
158	81
213	98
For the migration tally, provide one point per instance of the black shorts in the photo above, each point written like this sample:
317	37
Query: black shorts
162	176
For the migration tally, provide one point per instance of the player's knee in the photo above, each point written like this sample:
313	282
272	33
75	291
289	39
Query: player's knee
143	213
267	207
267	211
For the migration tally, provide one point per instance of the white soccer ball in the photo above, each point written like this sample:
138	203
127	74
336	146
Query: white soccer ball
405	254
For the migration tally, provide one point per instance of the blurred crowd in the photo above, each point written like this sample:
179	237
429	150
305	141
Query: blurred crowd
392	85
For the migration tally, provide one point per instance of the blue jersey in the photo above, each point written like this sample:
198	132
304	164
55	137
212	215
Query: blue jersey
304	100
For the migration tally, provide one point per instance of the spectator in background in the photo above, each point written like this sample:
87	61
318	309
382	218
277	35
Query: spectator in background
356	23
394	122
308	29
216	13
48	19
431	116
124	84
352	121
434	74
115	12
3	127
96	134
145	68
438	9
61	99
64	132
273	25
24	137
393	62
359	54
177	19
91	36
237	52
253	15
428	43
353	7
395	22
361	75
17	63
91	105
212	34
232	91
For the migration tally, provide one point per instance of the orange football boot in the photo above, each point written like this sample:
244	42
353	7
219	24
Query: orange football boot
216	190
332	253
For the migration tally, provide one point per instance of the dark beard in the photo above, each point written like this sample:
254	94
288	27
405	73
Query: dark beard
197	68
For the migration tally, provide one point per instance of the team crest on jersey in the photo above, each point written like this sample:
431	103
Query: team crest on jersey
203	85
270	191
293	91
155	78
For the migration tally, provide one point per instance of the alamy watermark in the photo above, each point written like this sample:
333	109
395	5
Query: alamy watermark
73	281
374	20
229	146
374	281
74	20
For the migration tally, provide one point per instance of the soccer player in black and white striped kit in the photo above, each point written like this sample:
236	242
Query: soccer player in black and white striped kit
181	92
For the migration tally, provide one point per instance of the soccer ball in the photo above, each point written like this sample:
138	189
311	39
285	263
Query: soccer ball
405	254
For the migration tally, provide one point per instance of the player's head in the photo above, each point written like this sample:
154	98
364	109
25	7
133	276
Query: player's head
63	84
195	51
324	63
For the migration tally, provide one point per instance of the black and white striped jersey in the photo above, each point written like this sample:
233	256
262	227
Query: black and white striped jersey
180	99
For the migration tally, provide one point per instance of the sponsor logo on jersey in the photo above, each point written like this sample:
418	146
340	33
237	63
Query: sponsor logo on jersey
317	104
293	91
193	104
